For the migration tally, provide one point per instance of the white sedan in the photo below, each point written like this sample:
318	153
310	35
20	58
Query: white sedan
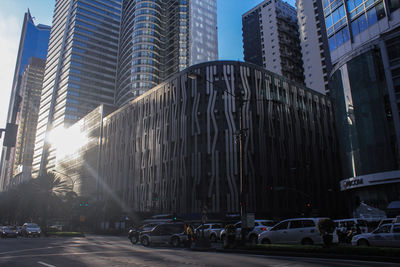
387	235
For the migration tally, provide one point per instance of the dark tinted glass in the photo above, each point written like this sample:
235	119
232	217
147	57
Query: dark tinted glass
295	224
308	223
281	226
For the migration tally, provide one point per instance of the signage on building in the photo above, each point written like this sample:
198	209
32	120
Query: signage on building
370	180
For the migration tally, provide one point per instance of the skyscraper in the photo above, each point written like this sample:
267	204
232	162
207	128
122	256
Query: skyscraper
314	44
80	68
160	38
364	42
33	43
271	39
30	91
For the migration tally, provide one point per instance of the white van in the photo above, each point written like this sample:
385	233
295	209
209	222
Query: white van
294	231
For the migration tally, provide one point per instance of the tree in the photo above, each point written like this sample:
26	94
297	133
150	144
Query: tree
49	190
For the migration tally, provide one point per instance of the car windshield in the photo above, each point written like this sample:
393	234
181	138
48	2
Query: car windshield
5	228
12	228
32	225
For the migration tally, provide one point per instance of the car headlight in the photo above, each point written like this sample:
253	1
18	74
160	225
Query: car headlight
29	232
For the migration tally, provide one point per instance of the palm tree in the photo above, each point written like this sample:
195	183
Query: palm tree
49	190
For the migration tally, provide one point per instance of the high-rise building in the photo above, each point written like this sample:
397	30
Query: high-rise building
80	69
271	39
33	43
174	146
364	42
314	44
30	91
159	38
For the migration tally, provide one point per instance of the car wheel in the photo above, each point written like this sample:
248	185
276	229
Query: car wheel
307	242
145	241
134	239
213	238
253	239
362	243
175	242
265	241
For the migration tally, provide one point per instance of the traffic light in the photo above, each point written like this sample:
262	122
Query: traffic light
11	135
174	216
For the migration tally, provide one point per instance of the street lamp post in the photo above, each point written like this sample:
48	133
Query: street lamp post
239	97
66	175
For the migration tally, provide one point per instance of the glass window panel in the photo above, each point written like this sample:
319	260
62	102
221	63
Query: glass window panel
362	23
372	18
380	11
339	38
354	27
393	5
332	43
328	21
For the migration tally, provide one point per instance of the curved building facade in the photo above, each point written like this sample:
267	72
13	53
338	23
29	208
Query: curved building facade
174	147
364	39
160	38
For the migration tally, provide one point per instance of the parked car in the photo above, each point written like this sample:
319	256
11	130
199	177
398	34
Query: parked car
8	231
294	231
259	226
386	221
387	235
134	233
31	229
166	233
211	231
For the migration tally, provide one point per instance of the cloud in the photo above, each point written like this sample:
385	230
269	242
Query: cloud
10	31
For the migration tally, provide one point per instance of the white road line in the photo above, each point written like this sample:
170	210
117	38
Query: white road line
45	264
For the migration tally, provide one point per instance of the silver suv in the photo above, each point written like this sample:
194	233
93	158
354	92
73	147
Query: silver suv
166	233
211	231
259	226
294	231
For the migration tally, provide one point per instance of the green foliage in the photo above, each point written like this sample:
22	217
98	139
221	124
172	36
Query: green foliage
36	200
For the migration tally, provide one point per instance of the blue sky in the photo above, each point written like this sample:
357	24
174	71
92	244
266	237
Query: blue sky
12	12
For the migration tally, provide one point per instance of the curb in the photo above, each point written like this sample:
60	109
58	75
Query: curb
313	255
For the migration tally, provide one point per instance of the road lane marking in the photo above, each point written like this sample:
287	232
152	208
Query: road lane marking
45	264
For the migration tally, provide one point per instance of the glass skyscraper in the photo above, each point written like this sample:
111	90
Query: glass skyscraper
162	37
33	43
80	68
364	43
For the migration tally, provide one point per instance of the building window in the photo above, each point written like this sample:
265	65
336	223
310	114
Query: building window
393	5
359	25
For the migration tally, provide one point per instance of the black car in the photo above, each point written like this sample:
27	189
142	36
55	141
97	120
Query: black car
166	233
8	231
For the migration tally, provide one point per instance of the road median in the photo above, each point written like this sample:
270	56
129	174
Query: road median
335	252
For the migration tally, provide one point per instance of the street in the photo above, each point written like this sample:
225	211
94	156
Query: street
118	251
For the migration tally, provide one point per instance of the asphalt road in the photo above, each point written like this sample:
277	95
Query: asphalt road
117	251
